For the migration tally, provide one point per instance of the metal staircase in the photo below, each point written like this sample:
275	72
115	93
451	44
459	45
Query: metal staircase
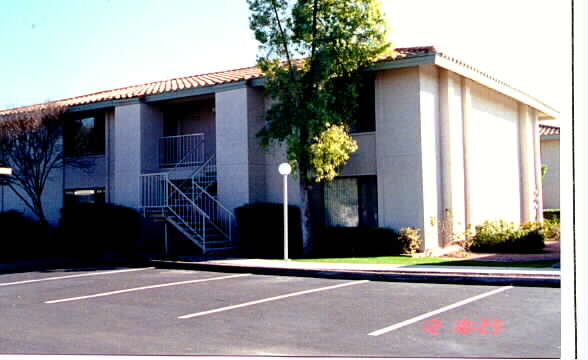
190	205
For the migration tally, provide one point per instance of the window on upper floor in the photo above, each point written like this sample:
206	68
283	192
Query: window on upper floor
365	116
84	135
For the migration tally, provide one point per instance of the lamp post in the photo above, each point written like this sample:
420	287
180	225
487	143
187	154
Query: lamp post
4	171
285	169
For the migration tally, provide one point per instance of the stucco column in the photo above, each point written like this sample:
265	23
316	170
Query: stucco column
452	156
538	193
109	154
526	163
232	147
466	104
127	154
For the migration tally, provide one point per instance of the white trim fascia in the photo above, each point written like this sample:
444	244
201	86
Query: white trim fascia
362	133
546	111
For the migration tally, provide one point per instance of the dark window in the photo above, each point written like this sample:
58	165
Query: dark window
84	196
84	136
341	202
351	201
365	116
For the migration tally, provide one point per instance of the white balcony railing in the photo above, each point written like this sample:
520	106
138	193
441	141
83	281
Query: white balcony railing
181	150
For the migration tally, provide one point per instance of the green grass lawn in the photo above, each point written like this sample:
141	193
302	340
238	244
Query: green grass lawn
406	260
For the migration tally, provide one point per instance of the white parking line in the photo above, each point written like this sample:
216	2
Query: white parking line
143	288
72	276
226	308
438	311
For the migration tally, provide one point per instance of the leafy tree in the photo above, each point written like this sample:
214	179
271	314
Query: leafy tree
312	53
31	144
544	169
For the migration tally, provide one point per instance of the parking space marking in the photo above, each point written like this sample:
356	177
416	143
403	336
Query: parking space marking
143	288
255	302
438	311
73	276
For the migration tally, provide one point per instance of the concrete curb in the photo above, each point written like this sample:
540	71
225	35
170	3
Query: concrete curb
399	275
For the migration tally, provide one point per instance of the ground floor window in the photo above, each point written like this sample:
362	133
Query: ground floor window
351	201
84	196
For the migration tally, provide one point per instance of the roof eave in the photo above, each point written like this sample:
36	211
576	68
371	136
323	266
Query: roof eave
545	112
171	95
426	59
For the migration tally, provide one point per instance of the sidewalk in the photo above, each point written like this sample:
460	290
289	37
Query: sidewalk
549	277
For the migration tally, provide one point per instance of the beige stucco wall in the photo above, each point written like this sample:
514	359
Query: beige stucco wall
52	199
495	175
550	155
126	146
451	149
274	182
257	159
421	154
398	149
429	116
151	131
240	161
363	161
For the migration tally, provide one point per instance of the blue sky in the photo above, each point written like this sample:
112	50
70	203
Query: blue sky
53	49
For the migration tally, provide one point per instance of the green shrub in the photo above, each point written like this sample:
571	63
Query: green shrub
22	237
100	231
261	230
552	215
506	237
357	241
411	239
551	229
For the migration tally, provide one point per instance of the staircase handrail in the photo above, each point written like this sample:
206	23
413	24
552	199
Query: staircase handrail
231	216
200	168
212	158
200	142
163	200
186	197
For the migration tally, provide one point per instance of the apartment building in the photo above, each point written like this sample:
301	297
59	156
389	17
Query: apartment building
438	141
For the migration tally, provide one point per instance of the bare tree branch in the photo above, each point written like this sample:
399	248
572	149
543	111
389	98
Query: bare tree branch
31	144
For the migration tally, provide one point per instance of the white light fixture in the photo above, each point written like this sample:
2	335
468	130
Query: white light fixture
84	192
5	171
285	169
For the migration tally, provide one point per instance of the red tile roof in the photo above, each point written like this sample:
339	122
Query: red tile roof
219	78
548	130
188	82
156	87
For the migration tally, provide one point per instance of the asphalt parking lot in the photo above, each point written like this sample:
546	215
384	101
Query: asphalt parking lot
154	311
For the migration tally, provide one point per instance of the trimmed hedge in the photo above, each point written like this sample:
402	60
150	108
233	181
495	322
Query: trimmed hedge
506	237
261	230
552	215
22	237
358	241
100	231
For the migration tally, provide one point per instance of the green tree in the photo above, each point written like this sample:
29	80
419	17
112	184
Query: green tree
312	53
